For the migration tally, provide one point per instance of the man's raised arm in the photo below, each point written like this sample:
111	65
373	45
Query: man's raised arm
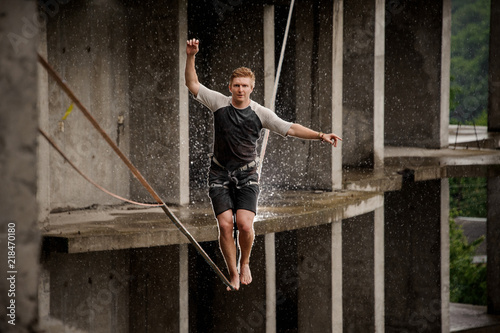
190	73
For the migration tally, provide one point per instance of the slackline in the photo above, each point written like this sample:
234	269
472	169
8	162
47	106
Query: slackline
132	168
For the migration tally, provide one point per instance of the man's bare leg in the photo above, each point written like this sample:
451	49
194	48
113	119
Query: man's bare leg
244	221
228	247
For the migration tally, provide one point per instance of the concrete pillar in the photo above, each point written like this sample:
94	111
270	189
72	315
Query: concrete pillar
337	288
358	267
416	256
19	233
493	252
155	290
314	272
269	239
416	62
183	288
379	269
494	70
364	83
87	46
337	84
158	98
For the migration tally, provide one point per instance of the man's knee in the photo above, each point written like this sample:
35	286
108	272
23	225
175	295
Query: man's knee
225	222
245	225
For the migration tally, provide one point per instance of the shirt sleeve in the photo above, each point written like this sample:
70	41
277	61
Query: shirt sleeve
271	121
211	99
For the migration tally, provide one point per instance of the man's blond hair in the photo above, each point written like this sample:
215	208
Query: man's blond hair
242	72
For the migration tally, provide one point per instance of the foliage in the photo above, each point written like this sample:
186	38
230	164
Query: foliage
468	196
467	280
469	60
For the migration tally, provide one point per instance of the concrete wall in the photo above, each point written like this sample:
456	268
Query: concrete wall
87	45
135	90
304	96
19	235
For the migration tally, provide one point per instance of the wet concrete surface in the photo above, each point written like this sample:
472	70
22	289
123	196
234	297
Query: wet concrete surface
472	318
122	227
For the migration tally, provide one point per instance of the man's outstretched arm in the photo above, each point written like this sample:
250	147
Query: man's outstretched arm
303	132
190	73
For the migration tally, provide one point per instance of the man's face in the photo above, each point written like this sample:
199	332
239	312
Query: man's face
241	88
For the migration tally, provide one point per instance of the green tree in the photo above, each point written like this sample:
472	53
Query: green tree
469	60
467	280
468	196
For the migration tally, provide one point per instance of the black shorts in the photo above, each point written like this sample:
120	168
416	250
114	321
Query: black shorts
236	190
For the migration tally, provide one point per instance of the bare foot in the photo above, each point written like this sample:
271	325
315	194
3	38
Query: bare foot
245	274
235	282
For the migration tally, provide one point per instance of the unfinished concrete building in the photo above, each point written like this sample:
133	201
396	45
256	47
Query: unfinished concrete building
350	239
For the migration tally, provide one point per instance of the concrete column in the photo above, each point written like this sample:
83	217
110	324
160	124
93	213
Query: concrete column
87	46
416	257
158	98
445	74
493	251
416	61
379	269
445	255
43	149
314	272
494	70
269	239
155	304
337	288
364	83
358	285
337	84
183	288
19	235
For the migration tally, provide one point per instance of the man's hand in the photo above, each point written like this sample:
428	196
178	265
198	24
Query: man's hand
331	138
191	77
193	46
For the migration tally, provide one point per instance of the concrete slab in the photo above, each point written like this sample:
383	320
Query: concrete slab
123	227
430	164
472	318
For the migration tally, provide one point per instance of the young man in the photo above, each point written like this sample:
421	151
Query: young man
233	178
